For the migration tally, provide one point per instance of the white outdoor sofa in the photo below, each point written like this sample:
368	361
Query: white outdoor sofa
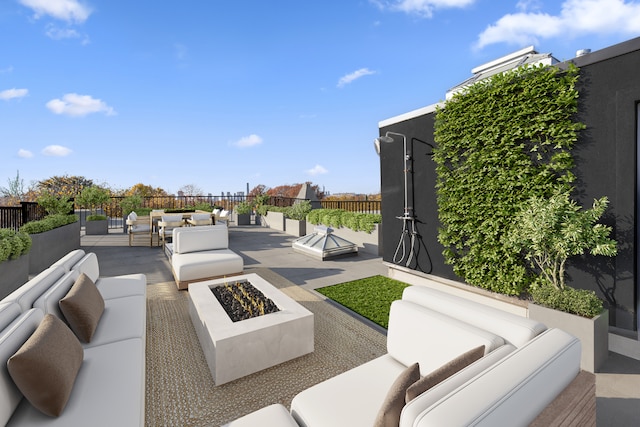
109	389
525	367
202	253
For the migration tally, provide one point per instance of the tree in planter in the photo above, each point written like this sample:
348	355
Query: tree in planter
548	231
299	210
243	208
93	197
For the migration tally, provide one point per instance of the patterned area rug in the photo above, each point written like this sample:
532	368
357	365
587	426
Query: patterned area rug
180	390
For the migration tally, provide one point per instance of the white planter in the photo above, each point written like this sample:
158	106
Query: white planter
273	220
593	333
295	227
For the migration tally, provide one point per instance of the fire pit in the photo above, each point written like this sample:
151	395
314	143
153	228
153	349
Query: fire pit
241	300
235	349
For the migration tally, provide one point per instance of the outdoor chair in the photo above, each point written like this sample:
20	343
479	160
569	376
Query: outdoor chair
200	219
222	217
138	225
166	226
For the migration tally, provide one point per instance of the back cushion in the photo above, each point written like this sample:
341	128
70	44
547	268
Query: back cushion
11	339
89	266
517	330
26	294
49	301
9	311
70	259
418	334
200	216
204	238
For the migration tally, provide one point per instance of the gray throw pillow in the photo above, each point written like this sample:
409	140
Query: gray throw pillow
443	372
45	368
389	413
82	307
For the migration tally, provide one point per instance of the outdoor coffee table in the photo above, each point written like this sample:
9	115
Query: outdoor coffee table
236	349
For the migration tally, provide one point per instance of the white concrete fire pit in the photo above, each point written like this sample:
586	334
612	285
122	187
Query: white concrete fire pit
236	349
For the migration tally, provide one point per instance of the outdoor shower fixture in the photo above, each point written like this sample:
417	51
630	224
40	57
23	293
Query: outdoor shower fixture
408	220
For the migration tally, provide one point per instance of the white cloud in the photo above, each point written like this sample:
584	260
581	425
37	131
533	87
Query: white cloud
422	8
25	154
577	17
13	93
6	70
349	78
56	33
76	105
56	151
248	141
65	10
317	170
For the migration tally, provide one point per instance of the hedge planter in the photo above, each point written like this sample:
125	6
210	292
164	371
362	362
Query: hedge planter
273	220
370	243
50	246
96	227
593	333
295	227
14	273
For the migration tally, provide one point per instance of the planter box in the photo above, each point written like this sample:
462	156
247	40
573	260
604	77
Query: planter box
593	333
243	219
96	227
14	273
369	243
273	220
295	227
50	246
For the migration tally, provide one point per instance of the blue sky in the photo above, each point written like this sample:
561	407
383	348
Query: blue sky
218	94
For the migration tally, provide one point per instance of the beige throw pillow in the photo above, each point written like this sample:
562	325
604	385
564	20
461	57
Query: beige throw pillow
443	372
82	307
389	413
45	368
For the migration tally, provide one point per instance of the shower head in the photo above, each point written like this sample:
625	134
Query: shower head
386	139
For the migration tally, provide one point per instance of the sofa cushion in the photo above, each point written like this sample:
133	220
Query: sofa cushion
88	265
205	264
516	388
417	333
514	329
46	366
28	293
12	337
9	311
205	238
443	372
109	390
82	307
389	413
69	259
354	396
274	415
122	286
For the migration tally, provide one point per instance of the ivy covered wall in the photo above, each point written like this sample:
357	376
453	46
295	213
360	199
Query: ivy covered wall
605	165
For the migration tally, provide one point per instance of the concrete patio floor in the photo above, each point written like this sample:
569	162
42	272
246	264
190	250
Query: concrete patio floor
617	386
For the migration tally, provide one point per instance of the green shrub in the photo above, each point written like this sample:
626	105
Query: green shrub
55	205
299	210
13	244
96	217
582	302
243	208
337	218
131	204
48	223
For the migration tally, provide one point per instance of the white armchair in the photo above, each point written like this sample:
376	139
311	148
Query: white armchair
138	225
200	219
166	226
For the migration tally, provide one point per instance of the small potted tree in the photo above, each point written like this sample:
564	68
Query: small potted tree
242	213
548	232
93	198
296	218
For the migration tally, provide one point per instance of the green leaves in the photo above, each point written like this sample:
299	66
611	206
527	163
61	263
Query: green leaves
501	142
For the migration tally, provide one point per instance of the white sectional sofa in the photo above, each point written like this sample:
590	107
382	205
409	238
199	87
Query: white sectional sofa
524	368
201	253
109	388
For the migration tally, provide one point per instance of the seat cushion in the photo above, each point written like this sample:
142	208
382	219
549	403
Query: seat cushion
122	286
204	264
274	415
46	365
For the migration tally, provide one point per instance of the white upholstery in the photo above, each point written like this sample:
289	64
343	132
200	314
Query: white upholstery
354	397
515	389
274	415
69	259
199	219
110	387
489	318
418	334
109	390
202	253
26	294
168	224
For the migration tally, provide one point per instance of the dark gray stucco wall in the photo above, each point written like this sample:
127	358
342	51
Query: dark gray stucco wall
606	165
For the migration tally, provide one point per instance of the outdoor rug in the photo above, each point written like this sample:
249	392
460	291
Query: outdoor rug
180	390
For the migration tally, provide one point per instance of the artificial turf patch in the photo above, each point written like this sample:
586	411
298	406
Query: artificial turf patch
370	297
